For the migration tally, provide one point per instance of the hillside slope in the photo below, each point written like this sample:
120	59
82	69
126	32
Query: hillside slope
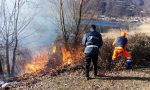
124	7
118	80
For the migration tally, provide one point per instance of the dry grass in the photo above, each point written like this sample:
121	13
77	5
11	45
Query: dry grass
119	80
144	28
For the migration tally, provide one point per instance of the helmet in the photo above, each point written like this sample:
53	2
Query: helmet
123	34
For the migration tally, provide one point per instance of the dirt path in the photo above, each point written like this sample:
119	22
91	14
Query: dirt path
120	80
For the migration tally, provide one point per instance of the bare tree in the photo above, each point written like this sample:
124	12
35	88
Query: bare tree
5	33
16	17
12	25
62	20
71	13
79	19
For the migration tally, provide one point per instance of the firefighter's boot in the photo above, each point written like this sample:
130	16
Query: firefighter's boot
129	64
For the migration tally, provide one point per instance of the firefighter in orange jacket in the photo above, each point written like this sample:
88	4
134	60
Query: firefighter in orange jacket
120	45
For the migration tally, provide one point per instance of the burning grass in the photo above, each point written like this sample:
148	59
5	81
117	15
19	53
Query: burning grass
71	54
66	56
139	46
58	56
38	62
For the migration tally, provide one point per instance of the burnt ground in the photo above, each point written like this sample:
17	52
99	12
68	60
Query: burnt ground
138	79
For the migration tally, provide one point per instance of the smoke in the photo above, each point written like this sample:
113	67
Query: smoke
42	31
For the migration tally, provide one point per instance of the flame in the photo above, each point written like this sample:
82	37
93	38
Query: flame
70	56
54	48
78	54
38	62
66	56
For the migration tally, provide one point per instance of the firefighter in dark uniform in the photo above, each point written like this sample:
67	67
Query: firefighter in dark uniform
92	42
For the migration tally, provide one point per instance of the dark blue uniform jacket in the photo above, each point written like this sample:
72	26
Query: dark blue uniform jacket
93	41
121	41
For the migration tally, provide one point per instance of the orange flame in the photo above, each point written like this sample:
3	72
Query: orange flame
66	56
38	62
41	60
54	48
70	56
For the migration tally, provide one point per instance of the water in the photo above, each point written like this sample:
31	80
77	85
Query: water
112	24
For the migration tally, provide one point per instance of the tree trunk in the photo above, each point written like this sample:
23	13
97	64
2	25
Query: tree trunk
79	21
16	39
7	56
1	67
14	58
62	20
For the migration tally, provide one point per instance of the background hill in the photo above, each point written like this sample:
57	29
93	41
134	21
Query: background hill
123	7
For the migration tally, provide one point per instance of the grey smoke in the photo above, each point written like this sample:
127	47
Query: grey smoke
42	31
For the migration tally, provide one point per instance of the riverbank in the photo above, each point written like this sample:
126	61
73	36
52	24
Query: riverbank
121	19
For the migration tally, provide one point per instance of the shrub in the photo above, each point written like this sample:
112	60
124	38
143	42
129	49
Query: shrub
138	45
